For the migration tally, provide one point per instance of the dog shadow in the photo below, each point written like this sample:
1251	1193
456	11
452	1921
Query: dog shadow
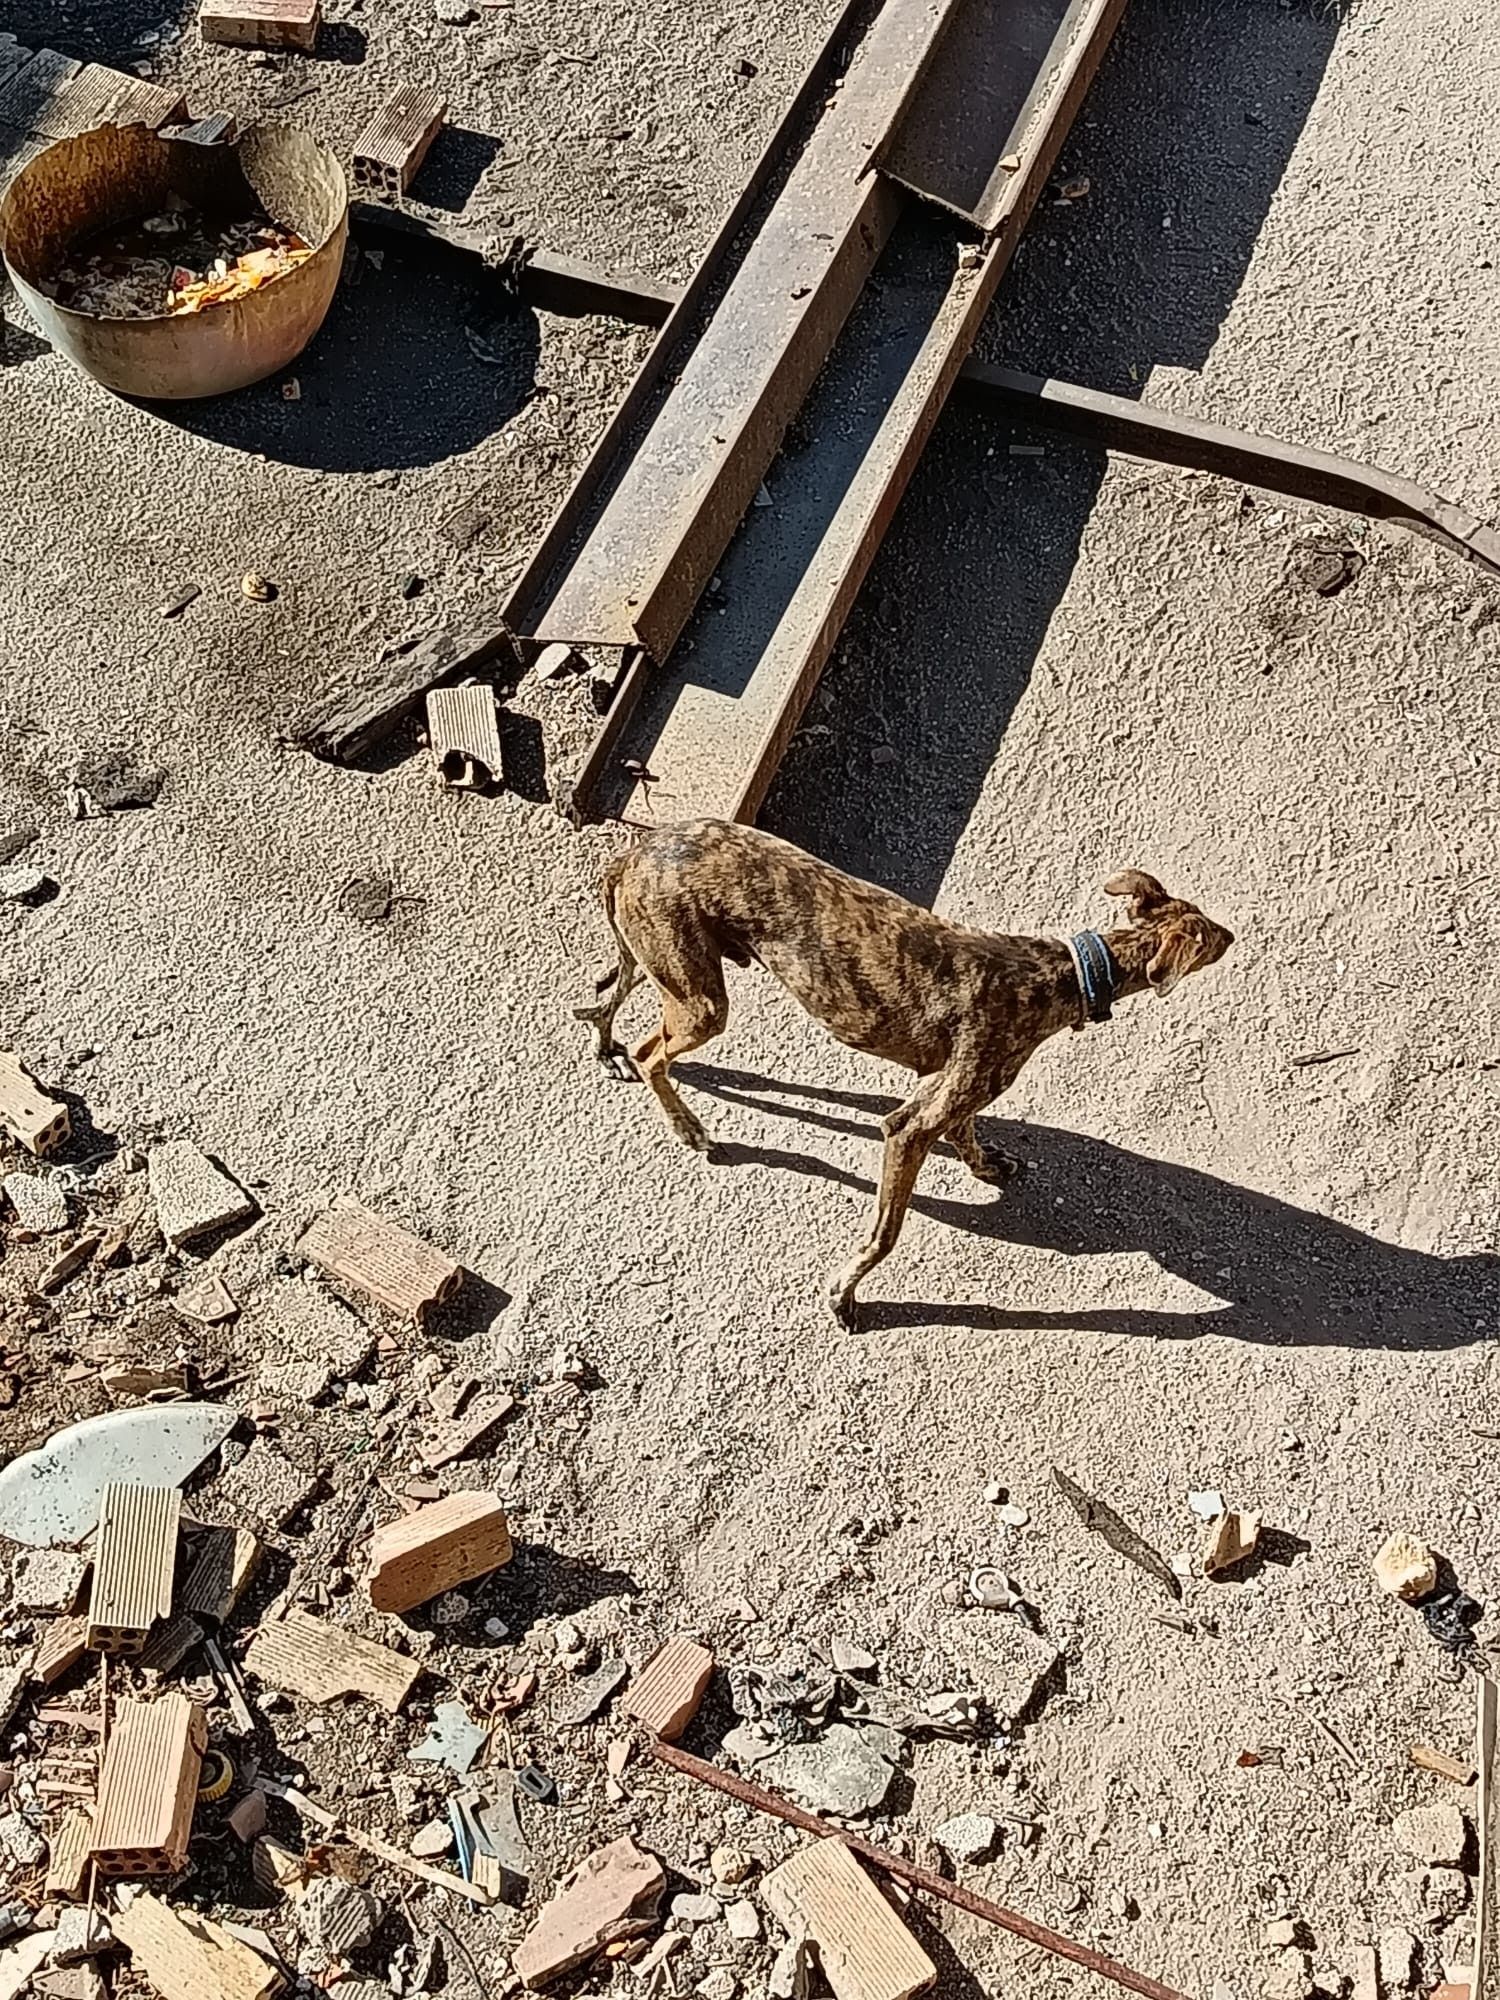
1285	1276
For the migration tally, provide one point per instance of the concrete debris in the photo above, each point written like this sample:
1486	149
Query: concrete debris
1281	1934
247	1820
432	1551
719	1984
20	1842
52	1495
209	1302
117	781
62	1647
38	1203
792	1972
13	1683
847	1770
446	1442
337	1917
727	1864
743	1920
295	1382
950	1712
1435	1895
265	1488
1229	1541
21	1961
850	1658
24	884
454	1740
607	1897
590	1694
695	1907
1436	1835
867	1953
431	1840
1405	1567
968	1836
192	1196
300	1321
1364	1982
15	839
1289	1978
47	1580
1397	1952
81	1933
14	1917
557	662
1001	1658
72	1982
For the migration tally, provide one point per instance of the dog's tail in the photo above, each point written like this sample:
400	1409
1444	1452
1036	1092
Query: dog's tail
614	871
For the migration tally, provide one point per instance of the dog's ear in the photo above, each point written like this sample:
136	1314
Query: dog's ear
1185	945
1144	891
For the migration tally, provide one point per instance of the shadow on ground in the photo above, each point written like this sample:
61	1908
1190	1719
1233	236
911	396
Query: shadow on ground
1287	1276
1184	138
413	365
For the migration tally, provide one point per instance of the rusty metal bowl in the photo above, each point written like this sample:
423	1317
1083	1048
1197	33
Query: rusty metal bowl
119	173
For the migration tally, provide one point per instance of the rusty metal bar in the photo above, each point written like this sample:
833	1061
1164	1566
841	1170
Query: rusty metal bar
651	553
746	1793
1299	473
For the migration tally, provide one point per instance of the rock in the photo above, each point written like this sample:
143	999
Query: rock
697	1909
496	1628
968	1836
115	781
952	1712
792	1972
849	1658
613	1885
20	1842
295	1382
14	1917
1436	1835
584	1701
1284	1932
1290	1978
846	1771
47	1580
1364	1983
1406	1568
452	1608
435	1838
1013	1514
743	1920
1002	1658
454	13
1397	1953
259	589
726	1864
81	1932
21	883
39	1205
337	1917
192	1196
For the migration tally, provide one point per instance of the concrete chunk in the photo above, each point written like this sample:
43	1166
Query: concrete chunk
192	1196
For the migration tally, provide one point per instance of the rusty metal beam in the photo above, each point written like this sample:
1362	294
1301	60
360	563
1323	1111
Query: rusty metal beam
1295	471
653	549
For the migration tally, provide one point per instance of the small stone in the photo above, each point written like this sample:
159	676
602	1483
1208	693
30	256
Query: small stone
566	1637
1435	1835
435	1838
697	1908
20	1841
849	1658
1436	1895
192	1196
1290	1978
81	1932
24	884
743	1920
968	1836
1013	1514
1281	1934
118	781
1208	1504
720	1984
1229	1541
496	1628
40	1206
259	589
454	13
725	1864
47	1580
1397	1953
557	661
451	1609
1406	1568
15	840
994	1492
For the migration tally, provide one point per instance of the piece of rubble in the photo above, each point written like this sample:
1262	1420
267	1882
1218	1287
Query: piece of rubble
1436	1835
1207	1504
463	731
117	780
222	1564
792	1971
264	1487
299	1321
1289	1978
71	1982
605	1898
149	1786
191	1195
431	1840
1457	1770
68	1855
52	1495
668	1691
142	1378
557	661
432	1551
322	1661
388	153
39	1205
844	1770
1397	1953
725	1864
25	884
850	1658
189	1957
135	1560
32	1118
1406	1568
20	1842
743	1920
261	24
354	1244
968	1836
47	1580
1229	1541
1001	1658
209	1302
295	1382
68	1263
657	1953
1435	1895
454	1740
81	1933
866	1952
246	1819
20	1962
1364	1982
277	1868
63	1645
337	1917
445	1443
696	1907
1282	1934
590	1694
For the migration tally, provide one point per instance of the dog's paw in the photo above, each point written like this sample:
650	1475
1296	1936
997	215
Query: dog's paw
843	1304
617	1064
692	1135
998	1167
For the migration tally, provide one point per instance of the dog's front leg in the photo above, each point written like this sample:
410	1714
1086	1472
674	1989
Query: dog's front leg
911	1131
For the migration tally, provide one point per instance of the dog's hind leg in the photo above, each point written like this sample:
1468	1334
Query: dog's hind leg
687	1022
985	1163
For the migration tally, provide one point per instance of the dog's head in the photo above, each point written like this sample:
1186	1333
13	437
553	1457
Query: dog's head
1175	938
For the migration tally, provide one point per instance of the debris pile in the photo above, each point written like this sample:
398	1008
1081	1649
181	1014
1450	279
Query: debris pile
176	262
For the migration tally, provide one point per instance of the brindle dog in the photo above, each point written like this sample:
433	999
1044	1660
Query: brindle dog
962	1008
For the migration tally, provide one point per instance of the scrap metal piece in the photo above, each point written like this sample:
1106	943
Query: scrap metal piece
1121	1537
135	1560
322	1661
388	153
353	1243
650	554
27	1113
52	1495
463	733
1297	472
149	1786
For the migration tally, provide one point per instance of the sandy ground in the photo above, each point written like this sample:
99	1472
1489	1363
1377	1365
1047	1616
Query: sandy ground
1219	1268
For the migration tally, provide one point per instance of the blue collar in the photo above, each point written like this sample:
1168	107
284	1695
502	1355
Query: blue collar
1097	979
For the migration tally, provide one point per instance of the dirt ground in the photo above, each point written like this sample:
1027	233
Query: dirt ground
1222	1267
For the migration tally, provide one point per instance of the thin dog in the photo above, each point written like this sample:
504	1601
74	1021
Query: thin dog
962	1008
